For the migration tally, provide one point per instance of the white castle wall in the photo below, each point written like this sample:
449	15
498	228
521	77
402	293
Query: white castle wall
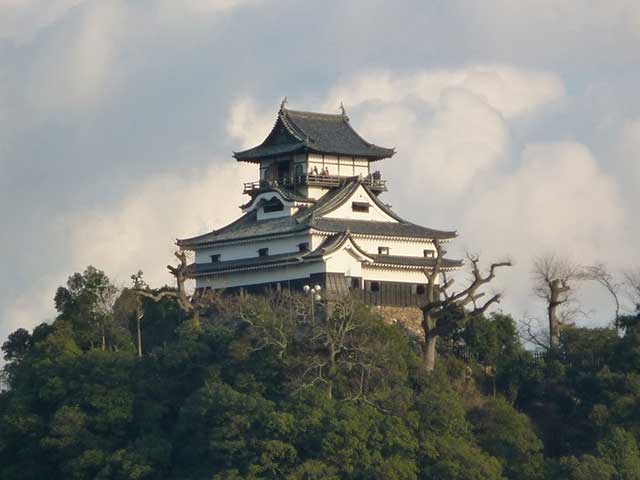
250	249
282	274
360	195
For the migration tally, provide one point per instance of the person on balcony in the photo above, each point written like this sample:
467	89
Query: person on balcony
326	171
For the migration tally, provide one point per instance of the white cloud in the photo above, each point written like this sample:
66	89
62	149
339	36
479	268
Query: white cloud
138	232
81	63
509	90
141	229
202	7
248	124
458	167
21	19
629	151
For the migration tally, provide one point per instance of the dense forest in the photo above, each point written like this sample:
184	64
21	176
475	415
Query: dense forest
280	387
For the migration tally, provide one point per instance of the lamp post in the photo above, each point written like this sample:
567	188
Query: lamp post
314	296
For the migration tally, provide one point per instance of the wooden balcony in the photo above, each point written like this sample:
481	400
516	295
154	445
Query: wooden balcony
328	181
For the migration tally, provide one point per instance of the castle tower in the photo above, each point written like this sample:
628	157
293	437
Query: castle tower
315	217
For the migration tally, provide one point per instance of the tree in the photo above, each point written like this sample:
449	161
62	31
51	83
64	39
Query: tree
553	277
632	284
87	303
620	450
509	436
439	301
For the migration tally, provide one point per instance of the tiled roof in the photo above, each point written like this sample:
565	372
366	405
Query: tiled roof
252	263
388	229
248	226
297	131
397	260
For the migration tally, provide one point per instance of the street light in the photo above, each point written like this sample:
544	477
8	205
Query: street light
314	296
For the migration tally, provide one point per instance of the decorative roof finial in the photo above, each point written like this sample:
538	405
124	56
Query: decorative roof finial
344	113
284	102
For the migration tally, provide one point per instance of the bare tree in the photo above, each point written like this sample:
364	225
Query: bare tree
632	284
600	274
553	278
439	299
193	305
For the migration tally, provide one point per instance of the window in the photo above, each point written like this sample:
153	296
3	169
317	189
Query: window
362	207
303	247
263	252
420	289
355	282
215	258
298	170
374	286
429	254
273	206
383	250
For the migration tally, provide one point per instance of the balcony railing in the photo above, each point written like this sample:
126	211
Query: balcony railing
331	181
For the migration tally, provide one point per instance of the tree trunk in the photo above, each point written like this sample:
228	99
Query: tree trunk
139	315
430	341
429	353
139	329
556	290
554	326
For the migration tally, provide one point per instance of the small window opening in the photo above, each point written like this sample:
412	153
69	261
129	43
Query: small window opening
355	282
274	206
263	252
429	254
215	258
383	250
303	247
420	289
374	286
362	207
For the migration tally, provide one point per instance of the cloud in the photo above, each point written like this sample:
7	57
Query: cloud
459	166
21	19
248	124
80	65
137	232
100	100
508	90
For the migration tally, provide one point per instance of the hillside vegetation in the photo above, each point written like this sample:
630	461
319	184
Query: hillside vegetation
269	388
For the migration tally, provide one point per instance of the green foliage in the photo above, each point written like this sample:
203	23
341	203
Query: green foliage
508	435
262	389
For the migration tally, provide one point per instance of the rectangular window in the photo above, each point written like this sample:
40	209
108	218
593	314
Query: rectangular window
303	247
355	282
362	207
383	250
215	258
429	254
421	289
263	252
374	286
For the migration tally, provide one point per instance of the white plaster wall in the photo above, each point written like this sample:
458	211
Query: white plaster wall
385	275
396	247
250	250
238	279
315	192
344	262
360	195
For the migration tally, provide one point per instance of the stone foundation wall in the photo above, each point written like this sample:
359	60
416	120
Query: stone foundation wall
409	318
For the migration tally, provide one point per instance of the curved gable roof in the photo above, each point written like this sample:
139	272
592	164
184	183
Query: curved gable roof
297	131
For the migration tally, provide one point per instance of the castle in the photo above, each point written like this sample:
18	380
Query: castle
315	217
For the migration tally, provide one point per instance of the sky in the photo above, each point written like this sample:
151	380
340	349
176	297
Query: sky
515	123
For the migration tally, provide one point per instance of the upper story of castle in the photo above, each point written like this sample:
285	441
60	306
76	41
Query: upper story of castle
308	154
